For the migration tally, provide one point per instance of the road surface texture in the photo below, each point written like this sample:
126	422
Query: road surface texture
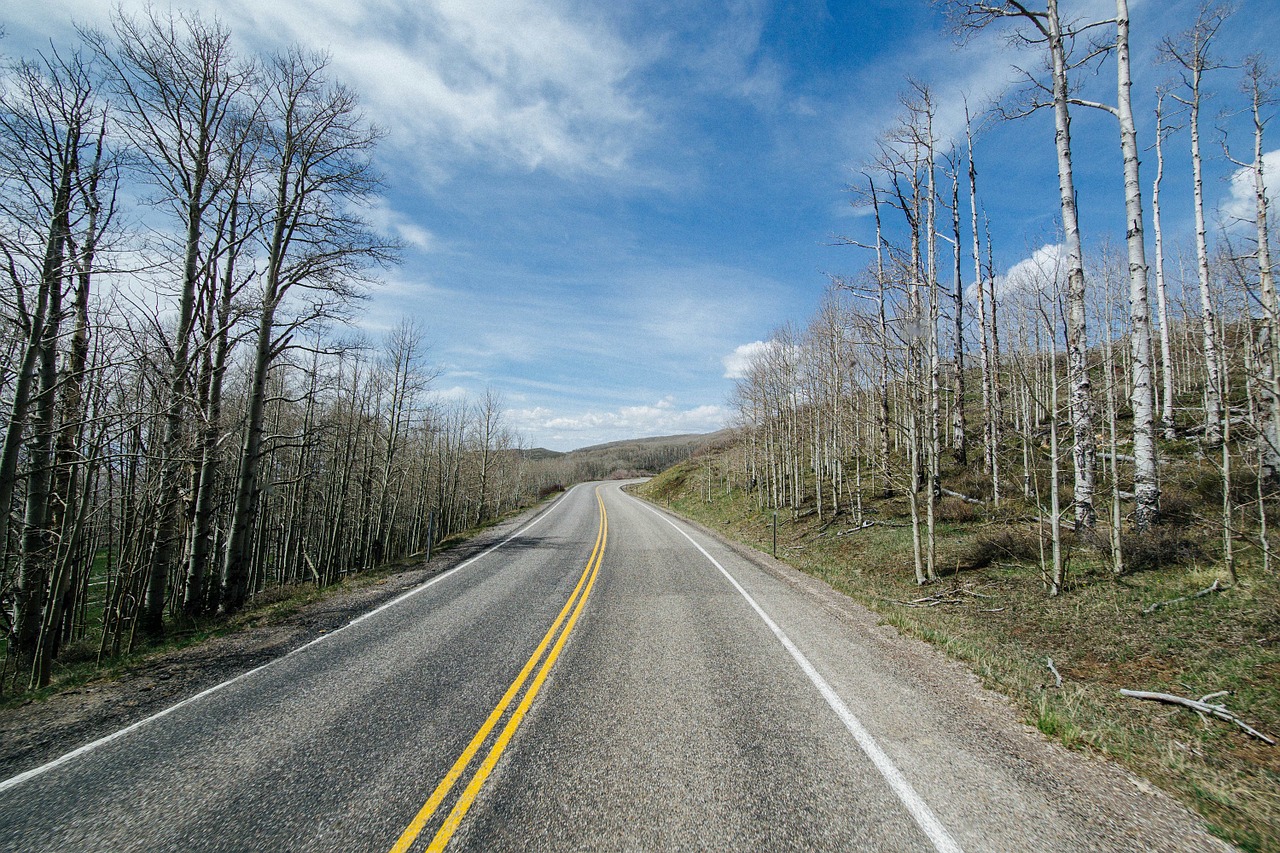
609	678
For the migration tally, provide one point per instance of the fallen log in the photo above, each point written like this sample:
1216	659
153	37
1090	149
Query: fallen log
1202	707
1216	586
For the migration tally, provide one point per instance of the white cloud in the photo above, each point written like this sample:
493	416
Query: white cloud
1043	272
391	223
1240	206
452	394
525	84
663	417
738	363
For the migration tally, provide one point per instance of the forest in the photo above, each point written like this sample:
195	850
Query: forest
190	416
1090	388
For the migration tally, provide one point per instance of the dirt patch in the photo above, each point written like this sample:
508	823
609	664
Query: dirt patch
36	732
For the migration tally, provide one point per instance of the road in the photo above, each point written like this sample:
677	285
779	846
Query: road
607	678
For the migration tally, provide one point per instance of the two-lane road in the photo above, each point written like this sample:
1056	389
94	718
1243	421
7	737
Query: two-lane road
608	678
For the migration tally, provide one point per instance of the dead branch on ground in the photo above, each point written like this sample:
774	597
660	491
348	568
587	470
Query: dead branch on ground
1215	587
1202	707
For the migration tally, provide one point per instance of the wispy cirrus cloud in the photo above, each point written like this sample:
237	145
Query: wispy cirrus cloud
523	84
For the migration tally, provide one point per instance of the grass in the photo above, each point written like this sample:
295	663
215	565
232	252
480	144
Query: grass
991	610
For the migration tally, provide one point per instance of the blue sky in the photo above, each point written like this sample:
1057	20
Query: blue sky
602	202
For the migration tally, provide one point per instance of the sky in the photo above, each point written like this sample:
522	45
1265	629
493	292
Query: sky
606	206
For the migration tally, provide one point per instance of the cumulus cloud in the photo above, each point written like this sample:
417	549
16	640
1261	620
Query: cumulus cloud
1240	206
738	363
1043	272
663	417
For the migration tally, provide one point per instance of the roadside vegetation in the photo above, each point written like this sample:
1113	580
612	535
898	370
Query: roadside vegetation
90	659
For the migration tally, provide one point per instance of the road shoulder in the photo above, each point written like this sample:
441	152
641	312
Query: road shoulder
1085	789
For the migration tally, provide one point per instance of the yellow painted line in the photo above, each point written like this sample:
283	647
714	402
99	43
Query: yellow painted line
468	797
424	815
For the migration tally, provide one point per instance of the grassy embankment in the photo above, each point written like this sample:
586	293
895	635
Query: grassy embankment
991	610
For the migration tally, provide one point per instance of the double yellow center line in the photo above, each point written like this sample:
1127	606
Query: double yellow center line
555	639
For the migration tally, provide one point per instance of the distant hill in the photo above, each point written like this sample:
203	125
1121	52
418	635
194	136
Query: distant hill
616	459
540	453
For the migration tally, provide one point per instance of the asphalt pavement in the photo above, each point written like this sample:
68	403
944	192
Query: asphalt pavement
609	678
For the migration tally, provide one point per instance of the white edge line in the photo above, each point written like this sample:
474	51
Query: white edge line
915	804
14	781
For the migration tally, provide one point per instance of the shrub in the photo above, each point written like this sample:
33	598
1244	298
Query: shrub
956	511
1007	544
971	481
1161	546
1177	504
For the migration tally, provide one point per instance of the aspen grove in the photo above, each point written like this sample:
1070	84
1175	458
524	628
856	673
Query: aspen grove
189	418
1085	377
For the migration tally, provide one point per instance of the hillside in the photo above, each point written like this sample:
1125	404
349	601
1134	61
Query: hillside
618	459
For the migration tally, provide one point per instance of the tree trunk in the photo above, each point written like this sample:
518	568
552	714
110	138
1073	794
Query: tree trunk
31	584
1085	453
1162	302
1146	485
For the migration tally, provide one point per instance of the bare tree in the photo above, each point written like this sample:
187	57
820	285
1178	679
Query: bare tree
1259	87
1191	53
319	147
990	386
50	121
1146	483
1047	28
1162	300
179	89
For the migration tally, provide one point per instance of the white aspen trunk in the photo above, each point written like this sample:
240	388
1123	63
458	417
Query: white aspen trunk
1269	437
883	321
959	445
1228	552
1117	549
1146	485
935	366
990	456
1213	377
1085	453
1055	500
1162	301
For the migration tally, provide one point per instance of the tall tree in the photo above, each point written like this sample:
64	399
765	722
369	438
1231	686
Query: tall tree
1142	398
50	116
318	146
1048	30
179	88
1191	53
1162	298
1259	87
